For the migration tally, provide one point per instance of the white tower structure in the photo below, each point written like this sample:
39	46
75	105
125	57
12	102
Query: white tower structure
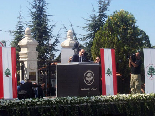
28	55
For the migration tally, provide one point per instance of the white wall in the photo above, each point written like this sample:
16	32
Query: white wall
65	54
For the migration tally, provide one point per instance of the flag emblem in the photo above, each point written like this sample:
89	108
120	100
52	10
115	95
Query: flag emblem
150	69
7	72
109	72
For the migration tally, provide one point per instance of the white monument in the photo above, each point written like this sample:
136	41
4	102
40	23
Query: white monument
28	55
67	46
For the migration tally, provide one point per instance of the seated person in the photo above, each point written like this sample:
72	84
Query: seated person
70	59
97	60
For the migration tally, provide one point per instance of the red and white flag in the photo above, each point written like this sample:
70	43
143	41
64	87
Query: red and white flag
149	66
8	79
108	67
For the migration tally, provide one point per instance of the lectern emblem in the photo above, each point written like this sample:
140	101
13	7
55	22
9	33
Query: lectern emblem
89	77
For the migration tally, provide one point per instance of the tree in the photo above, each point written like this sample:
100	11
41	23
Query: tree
42	31
96	21
18	35
121	33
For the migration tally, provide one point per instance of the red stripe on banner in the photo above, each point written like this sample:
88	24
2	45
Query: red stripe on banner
103	72
114	71
1	76
1	44
14	78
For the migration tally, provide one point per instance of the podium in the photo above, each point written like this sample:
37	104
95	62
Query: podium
78	79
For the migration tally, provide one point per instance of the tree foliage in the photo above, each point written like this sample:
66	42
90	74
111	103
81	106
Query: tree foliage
93	24
42	31
18	36
121	33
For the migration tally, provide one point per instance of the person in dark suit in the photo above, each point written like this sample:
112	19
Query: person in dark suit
81	57
40	92
28	87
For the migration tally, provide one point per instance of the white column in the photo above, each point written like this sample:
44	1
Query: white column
20	71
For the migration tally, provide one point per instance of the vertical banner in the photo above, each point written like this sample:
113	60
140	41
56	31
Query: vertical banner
8	79
149	67
108	68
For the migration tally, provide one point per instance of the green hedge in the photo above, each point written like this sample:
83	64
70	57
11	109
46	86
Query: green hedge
137	104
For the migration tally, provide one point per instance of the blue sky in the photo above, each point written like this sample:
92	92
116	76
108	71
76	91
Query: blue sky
66	11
